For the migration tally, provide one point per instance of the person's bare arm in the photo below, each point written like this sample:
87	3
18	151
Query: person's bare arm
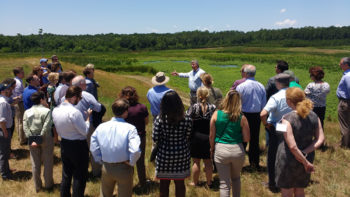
263	117
212	133
4	129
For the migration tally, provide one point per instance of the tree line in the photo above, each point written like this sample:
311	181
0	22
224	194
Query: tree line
289	37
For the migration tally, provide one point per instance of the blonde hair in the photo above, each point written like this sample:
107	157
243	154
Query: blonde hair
232	105
202	94
53	77
206	79
90	66
297	97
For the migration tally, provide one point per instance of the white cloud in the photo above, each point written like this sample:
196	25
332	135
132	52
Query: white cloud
339	25
227	26
175	26
283	10
286	22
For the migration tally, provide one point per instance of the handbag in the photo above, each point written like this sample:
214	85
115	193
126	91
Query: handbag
38	139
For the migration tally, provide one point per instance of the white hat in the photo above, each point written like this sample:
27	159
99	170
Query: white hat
160	79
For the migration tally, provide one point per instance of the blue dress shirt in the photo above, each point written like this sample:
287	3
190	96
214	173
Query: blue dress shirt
154	96
194	80
343	90
115	141
253	95
28	91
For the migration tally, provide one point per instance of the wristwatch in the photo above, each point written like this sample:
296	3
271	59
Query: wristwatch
305	154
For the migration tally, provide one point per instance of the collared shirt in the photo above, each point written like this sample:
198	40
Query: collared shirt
60	92
194	80
343	90
115	141
277	106
18	91
88	101
69	122
154	96
253	95
37	121
5	111
28	91
236	83
91	87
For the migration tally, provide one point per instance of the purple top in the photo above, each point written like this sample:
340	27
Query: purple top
136	116
236	83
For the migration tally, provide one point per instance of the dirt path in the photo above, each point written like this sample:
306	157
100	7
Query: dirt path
146	80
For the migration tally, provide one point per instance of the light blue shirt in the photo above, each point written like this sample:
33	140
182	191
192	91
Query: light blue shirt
343	90
88	101
154	96
194	81
253	95
277	106
115	141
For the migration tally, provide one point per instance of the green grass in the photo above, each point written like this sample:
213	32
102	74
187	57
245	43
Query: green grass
330	179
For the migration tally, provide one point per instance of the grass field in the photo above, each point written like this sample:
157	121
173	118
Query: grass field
330	179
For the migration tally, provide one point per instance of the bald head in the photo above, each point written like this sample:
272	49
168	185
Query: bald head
249	70
79	81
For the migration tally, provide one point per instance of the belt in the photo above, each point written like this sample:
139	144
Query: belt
122	162
342	99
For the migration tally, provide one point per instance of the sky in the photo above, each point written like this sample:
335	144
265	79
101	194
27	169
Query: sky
72	17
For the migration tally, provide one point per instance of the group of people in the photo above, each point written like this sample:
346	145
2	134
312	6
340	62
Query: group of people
214	129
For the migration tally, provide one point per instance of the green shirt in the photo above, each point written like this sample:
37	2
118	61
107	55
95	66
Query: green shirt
228	132
294	84
37	121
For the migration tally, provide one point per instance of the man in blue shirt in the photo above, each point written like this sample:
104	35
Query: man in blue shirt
275	108
253	97
155	94
116	144
34	83
91	84
343	94
194	80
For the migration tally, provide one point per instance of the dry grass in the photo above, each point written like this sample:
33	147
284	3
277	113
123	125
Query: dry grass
330	179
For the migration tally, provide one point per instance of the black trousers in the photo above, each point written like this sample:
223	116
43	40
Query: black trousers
254	125
75	159
320	111
5	155
274	139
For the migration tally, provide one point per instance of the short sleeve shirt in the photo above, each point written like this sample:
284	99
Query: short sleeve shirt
277	106
136	116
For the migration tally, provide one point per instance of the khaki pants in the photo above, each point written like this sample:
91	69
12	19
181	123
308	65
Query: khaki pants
344	121
19	111
116	173
96	167
229	160
44	153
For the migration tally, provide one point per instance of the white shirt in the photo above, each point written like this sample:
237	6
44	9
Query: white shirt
115	141
69	122
18	91
194	80
317	93
60	92
5	111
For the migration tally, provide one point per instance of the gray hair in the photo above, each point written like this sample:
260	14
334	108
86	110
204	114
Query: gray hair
346	60
92	66
78	80
250	70
195	61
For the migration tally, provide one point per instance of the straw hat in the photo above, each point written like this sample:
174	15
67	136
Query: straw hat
160	79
